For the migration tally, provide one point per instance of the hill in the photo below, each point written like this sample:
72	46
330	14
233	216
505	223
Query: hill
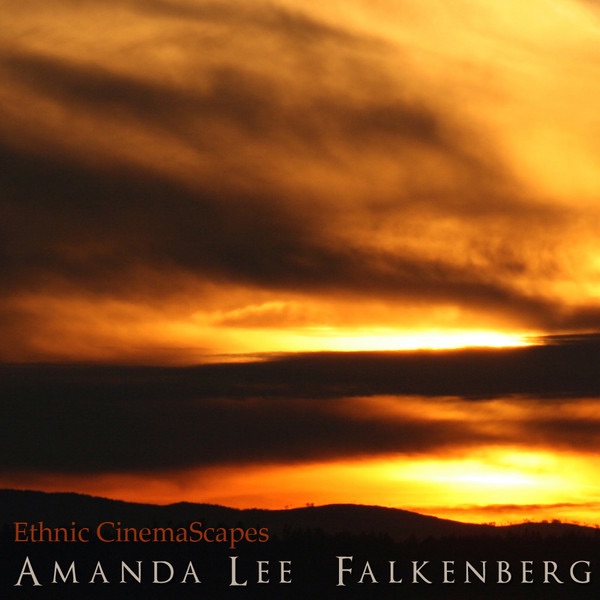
63	508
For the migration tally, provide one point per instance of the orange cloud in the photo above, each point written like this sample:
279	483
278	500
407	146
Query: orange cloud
416	158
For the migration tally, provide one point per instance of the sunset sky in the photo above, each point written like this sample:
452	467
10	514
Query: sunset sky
273	252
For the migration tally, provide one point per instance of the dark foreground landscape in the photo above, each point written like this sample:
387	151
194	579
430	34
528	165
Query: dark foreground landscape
338	551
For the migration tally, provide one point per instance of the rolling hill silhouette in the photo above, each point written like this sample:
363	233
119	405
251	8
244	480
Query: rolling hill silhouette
61	508
313	538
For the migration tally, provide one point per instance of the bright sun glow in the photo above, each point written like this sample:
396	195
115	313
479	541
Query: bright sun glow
381	340
233	341
503	479
491	484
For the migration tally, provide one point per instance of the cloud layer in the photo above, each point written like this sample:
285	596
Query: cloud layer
298	408
293	154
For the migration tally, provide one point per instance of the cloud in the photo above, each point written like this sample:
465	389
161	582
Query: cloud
290	409
136	231
171	435
285	151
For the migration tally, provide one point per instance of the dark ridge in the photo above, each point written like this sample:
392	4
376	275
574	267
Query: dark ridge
63	508
311	540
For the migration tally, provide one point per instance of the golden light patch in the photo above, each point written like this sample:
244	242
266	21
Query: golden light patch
431	340
490	484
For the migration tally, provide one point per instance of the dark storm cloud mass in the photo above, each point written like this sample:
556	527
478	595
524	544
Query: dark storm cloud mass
293	408
138	435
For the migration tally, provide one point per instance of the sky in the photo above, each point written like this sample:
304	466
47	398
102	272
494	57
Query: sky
248	251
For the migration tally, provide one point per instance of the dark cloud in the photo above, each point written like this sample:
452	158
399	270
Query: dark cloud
93	229
253	104
558	370
289	408
574	433
79	435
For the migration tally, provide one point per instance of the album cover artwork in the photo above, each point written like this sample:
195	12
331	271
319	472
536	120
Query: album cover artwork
299	299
